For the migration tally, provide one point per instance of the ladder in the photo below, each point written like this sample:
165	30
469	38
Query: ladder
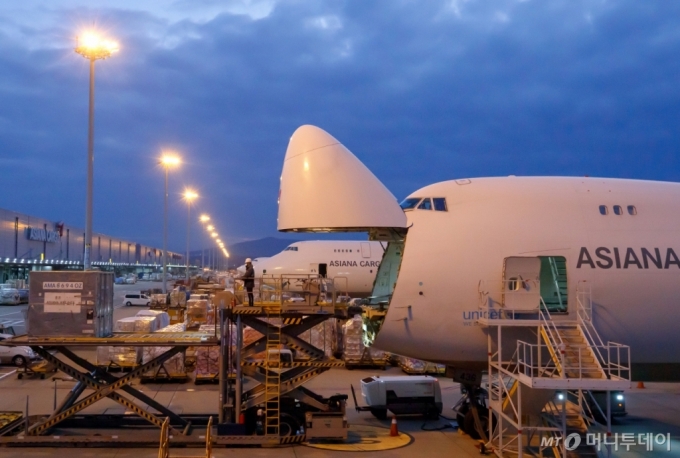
272	385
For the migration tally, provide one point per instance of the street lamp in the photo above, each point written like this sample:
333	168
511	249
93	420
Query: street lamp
91	47
189	196
168	161
204	219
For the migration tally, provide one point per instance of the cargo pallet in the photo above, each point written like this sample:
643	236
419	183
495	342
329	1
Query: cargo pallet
206	379
429	369
366	361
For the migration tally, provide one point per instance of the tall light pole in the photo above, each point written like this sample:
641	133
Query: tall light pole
168	161
91	47
203	219
189	196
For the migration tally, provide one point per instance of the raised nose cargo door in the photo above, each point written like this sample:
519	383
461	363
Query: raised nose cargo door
325	188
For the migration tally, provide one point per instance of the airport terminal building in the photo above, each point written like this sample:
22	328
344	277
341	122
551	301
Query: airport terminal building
31	243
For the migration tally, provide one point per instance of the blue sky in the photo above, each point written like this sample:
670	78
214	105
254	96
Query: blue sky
421	91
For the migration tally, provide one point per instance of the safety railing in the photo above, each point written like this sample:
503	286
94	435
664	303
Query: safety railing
617	360
293	289
535	360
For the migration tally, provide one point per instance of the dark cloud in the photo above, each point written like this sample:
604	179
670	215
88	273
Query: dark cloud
420	91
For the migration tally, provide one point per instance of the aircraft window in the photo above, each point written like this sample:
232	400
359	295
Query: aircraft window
426	204
632	210
291	248
410	203
618	210
439	204
603	210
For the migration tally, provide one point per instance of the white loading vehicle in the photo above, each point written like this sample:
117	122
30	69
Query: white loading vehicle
401	395
19	356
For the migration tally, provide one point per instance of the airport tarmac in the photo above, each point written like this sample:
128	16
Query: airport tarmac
654	409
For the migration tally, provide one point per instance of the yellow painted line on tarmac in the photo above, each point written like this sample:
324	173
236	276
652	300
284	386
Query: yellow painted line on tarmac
362	438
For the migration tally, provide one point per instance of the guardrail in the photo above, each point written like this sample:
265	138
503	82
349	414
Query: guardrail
309	289
538	360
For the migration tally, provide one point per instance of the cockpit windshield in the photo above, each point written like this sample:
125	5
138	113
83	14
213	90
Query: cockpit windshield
410	203
291	248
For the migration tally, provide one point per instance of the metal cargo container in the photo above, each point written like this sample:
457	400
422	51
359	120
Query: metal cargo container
70	304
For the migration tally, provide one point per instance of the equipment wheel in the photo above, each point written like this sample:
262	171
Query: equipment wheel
470	428
19	361
289	425
128	303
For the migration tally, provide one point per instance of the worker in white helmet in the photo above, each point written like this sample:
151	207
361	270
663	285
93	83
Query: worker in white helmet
249	280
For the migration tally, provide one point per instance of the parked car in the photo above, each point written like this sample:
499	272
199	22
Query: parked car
9	295
19	356
136	299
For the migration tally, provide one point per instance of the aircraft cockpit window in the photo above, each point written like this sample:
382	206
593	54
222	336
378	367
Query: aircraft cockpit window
632	210
439	204
603	210
618	210
410	203
291	248
426	204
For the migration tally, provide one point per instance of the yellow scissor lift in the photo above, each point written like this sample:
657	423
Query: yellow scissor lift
285	307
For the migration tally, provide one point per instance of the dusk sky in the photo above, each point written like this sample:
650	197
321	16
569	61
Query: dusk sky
421	91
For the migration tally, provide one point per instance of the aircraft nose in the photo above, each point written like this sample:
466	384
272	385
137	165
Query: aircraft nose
308	138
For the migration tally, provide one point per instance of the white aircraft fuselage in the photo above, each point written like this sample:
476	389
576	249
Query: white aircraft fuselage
351	264
630	261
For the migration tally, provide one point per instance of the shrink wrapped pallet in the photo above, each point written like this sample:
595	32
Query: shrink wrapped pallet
140	324
120	356
159	299
178	299
353	338
207	360
197	312
320	336
173	366
162	318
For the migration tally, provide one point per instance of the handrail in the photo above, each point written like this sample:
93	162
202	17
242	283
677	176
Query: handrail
529	362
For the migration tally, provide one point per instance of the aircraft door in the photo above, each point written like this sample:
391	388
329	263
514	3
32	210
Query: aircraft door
365	249
323	270
521	283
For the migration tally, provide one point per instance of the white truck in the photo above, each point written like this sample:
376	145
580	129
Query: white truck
401	395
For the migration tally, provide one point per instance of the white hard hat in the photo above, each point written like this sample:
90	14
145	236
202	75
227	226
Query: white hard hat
248	260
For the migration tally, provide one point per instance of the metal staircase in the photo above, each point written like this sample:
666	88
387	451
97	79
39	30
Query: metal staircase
272	385
533	356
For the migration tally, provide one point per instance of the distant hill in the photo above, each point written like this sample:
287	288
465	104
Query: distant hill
238	252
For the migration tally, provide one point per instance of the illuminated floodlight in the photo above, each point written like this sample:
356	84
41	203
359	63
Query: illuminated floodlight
189	195
169	161
211	228
92	46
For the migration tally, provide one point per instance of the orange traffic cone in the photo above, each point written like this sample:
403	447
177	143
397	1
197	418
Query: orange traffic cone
394	430
242	419
641	385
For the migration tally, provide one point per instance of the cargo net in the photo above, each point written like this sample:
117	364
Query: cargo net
303	289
